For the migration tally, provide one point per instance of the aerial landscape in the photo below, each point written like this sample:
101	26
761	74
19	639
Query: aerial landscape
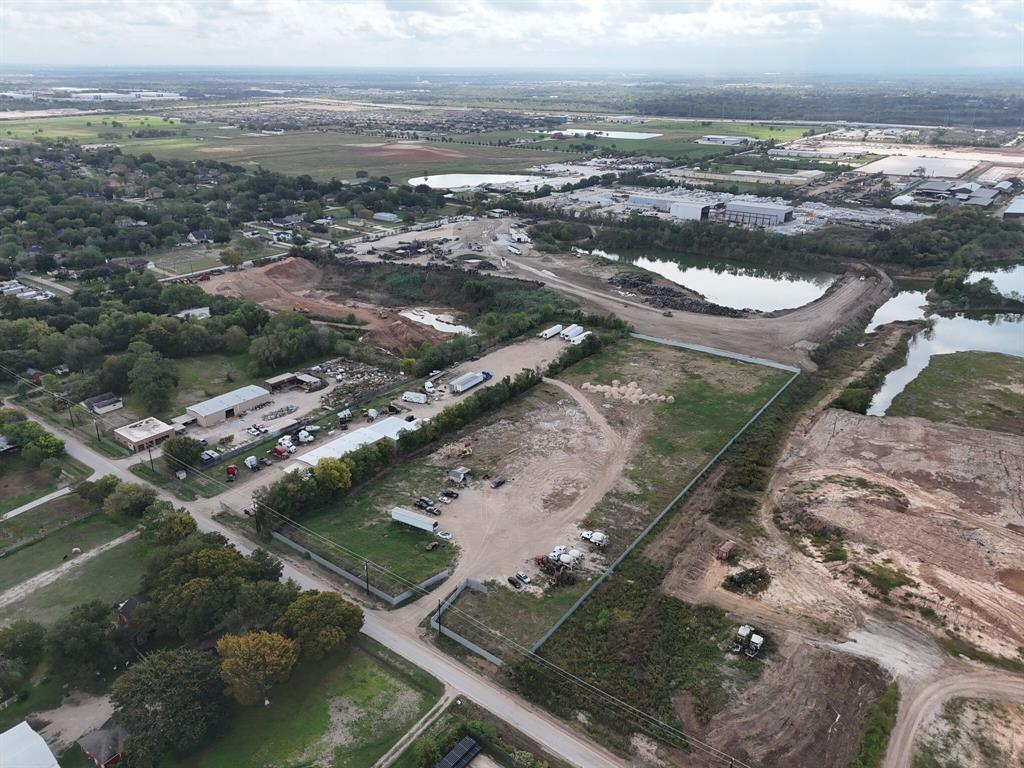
545	384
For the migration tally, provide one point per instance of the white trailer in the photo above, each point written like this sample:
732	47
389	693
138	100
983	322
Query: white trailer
580	338
414	519
514	251
415	397
571	332
467	381
552	331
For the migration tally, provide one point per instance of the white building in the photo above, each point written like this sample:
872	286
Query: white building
22	747
728	141
390	428
148	433
228	405
761	213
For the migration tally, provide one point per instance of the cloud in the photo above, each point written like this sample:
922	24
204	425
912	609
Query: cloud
763	34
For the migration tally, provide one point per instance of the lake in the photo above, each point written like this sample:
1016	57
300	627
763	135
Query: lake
1008	280
730	284
627	135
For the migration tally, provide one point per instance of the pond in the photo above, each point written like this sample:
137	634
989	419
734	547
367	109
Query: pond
735	285
1007	280
959	333
457	180
628	135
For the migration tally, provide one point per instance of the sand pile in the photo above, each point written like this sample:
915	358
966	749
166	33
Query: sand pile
630	392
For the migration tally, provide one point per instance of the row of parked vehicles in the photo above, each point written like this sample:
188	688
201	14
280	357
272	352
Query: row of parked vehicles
427	504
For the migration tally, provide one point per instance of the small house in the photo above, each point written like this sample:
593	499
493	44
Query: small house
459	475
200	236
726	550
129	606
106	745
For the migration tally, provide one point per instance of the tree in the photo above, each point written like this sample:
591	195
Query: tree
86	643
153	379
170	702
320	622
231	257
22	640
253	663
182	452
129	500
162	526
259	604
97	491
235	339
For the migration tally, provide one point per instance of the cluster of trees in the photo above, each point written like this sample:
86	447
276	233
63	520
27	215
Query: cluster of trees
38	447
290	338
956	237
952	291
177	696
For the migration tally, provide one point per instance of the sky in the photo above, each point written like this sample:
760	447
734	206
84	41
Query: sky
700	36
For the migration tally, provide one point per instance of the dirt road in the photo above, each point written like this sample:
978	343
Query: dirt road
786	337
928	701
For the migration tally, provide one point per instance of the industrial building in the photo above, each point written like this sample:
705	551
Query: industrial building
389	428
1015	210
677	208
227	406
144	434
763	214
727	141
306	381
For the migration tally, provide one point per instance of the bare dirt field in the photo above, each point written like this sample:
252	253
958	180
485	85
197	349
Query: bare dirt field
931	515
298	285
975	733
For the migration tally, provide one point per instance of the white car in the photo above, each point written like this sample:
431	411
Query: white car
522	577
444	535
586	535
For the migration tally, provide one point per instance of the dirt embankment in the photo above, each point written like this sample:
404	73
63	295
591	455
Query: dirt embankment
786	336
298	285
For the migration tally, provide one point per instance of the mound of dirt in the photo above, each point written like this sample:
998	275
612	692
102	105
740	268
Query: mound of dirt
631	392
806	709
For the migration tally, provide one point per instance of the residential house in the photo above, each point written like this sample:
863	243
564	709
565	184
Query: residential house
106	745
199	236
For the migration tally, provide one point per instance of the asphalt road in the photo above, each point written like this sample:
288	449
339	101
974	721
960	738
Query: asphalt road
400	636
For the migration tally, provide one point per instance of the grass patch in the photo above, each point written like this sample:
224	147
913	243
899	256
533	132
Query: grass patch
20	483
878	724
384	694
109	577
42	520
38	697
972	389
884	579
958	646
49	552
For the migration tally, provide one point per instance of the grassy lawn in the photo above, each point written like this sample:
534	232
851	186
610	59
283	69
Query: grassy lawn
48	553
973	389
20	484
108	577
361	522
39	698
43	519
343	712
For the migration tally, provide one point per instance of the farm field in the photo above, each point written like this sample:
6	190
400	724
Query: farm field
972	389
664	445
343	712
109	577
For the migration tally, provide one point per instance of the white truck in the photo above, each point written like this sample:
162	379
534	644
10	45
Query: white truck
514	251
571	332
415	397
414	519
579	339
550	332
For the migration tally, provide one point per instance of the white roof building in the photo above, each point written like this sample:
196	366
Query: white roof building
390	428
22	747
229	404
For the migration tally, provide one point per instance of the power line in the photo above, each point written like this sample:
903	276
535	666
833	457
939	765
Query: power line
643	717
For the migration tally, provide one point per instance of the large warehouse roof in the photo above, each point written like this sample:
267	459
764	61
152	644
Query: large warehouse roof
758	207
227	400
390	428
1015	208
23	747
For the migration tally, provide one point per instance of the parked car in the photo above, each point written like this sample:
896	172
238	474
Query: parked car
497	482
444	535
444	499
514	582
522	577
450	494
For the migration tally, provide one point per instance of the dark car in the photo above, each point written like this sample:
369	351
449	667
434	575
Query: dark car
497	482
514	582
450	494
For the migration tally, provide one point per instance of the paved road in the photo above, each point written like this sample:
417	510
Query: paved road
28	279
399	634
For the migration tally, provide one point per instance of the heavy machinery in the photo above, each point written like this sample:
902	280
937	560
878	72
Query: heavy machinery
747	641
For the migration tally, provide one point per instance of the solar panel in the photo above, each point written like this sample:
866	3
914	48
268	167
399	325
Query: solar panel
461	755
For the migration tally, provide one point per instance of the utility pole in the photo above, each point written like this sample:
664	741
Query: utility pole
96	424
150	449
71	414
366	575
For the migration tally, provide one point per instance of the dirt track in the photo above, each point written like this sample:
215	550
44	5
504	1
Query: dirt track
785	337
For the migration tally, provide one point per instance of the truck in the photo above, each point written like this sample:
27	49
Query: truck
252	463
415	397
550	332
467	381
514	251
305	437
756	641
572	331
580	338
413	519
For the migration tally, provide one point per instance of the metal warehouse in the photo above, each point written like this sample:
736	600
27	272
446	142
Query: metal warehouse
390	428
228	405
756	212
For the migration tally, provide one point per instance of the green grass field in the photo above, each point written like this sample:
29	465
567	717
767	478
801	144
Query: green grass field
20	483
973	389
48	553
343	712
43	519
322	155
108	577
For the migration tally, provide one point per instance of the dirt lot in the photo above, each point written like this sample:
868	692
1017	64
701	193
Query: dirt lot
974	733
297	285
941	504
559	456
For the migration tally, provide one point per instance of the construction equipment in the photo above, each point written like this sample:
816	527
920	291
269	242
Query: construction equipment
742	638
